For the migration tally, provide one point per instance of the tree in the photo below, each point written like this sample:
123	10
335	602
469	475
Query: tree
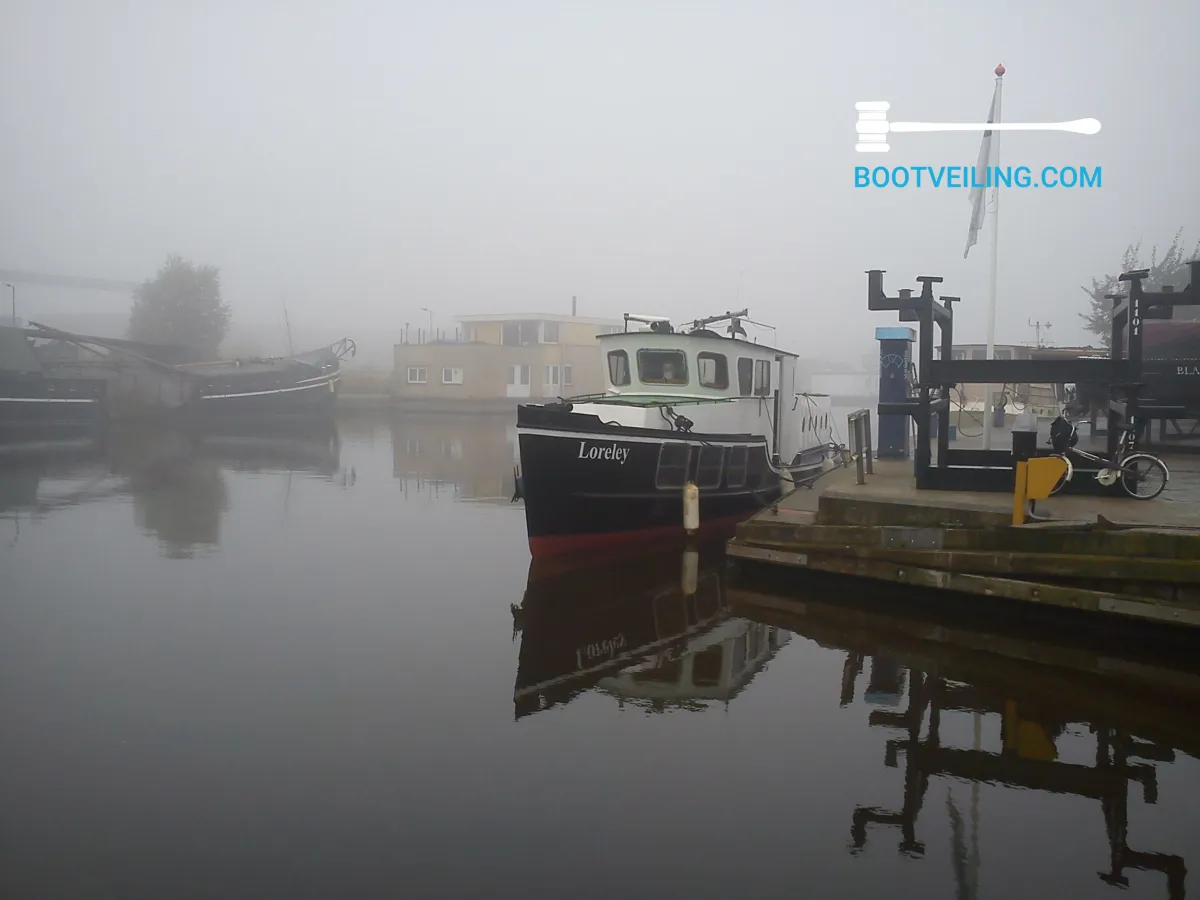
181	305
1172	269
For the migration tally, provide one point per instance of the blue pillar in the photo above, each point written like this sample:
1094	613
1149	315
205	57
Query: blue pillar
895	361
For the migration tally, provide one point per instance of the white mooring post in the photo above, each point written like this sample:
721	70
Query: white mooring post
691	508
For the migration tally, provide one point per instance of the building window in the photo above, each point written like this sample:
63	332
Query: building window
452	449
417	374
518	334
713	370
518	374
611	329
549	332
662	367
746	376
413	446
452	376
568	377
618	368
551	376
762	377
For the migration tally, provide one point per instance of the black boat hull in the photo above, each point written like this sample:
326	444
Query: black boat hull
316	396
50	405
588	487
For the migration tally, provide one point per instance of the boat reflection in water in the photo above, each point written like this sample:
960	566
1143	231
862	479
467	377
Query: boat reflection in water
177	479
655	632
1088	718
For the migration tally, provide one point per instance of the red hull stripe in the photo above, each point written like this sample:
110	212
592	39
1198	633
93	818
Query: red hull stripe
559	544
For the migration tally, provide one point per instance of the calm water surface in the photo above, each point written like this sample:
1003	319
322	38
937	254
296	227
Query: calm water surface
321	665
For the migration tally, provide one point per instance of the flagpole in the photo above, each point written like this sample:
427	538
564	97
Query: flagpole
991	327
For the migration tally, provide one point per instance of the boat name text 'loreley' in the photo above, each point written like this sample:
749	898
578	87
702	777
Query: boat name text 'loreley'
620	454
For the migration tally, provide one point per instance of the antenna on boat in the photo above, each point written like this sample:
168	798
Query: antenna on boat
734	319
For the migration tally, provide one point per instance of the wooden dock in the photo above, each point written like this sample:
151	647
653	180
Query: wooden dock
1118	557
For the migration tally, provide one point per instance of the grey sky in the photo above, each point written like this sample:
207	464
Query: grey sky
366	159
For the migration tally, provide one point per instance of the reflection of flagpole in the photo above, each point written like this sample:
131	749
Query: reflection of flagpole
991	328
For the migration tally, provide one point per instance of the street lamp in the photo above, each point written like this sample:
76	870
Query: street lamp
430	311
13	288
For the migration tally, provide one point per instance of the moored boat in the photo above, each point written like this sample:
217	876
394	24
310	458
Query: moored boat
681	409
301	385
33	399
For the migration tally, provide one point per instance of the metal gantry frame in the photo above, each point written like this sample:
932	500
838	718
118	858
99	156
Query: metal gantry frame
994	470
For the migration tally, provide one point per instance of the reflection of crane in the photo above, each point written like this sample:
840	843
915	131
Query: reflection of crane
1028	759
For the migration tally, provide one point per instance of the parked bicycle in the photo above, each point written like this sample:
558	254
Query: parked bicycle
1142	475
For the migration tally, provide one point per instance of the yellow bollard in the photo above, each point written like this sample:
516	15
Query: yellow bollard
1035	480
1019	488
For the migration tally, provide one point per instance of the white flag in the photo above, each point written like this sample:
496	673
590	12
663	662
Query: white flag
978	197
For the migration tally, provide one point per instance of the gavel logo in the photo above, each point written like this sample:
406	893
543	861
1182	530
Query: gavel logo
873	127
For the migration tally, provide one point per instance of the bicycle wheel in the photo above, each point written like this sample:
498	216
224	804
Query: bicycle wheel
1143	476
1062	482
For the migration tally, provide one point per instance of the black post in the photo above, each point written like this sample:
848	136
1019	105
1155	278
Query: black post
943	435
1116	353
777	426
923	455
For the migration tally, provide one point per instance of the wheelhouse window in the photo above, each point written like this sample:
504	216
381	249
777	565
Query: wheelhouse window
662	367
618	367
713	370
746	376
762	377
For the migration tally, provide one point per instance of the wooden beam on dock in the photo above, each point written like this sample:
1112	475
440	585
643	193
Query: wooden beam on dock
1064	597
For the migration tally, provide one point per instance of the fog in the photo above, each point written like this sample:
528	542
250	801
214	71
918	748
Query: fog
360	161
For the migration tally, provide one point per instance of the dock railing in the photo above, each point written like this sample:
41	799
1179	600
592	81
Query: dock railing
859	427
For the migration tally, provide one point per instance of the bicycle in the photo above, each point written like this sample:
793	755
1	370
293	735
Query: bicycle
1123	465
